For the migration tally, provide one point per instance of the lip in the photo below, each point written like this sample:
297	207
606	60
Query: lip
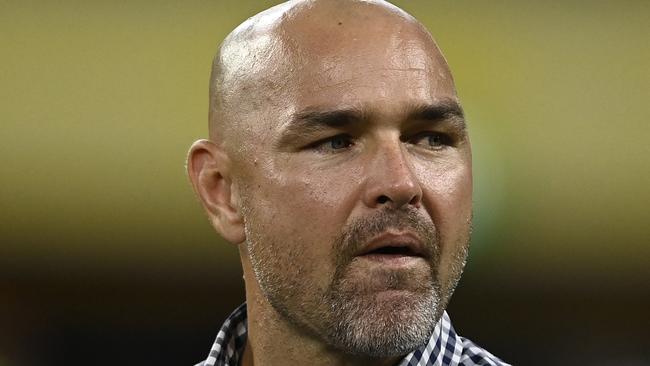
406	240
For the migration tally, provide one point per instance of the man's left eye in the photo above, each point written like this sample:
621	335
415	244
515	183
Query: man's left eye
432	140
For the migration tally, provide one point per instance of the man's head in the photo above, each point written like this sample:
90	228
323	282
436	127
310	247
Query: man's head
339	162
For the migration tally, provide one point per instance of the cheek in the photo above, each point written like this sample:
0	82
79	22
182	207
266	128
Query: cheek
301	209
448	198
321	192
447	191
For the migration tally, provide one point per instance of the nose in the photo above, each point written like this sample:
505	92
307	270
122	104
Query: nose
390	181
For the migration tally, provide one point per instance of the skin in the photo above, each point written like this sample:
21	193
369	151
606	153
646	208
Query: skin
286	192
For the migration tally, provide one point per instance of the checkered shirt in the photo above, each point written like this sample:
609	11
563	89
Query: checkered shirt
445	347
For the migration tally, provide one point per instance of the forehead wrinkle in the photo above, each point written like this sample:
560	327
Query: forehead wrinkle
326	79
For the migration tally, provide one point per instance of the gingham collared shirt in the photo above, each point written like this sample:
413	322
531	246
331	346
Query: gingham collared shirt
445	347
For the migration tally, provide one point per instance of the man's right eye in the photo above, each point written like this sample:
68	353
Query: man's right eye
334	143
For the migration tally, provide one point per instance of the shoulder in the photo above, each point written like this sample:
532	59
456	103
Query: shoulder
447	348
231	339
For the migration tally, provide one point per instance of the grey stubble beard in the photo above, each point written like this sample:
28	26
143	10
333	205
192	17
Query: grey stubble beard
346	314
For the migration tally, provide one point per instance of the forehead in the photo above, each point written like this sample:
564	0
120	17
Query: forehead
375	63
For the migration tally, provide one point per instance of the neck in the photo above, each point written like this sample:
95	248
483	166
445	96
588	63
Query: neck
272	340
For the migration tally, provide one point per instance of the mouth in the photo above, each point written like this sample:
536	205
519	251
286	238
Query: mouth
389	247
393	251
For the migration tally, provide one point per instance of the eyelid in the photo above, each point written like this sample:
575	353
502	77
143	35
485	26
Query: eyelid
447	139
318	145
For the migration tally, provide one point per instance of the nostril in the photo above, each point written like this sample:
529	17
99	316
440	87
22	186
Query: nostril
383	199
414	200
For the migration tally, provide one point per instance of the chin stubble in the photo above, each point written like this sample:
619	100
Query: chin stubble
362	322
347	315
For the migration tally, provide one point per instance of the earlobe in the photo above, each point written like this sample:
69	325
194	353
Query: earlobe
208	168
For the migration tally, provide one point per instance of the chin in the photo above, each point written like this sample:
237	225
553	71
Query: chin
385	324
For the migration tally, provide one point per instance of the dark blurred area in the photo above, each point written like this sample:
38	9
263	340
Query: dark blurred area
83	320
107	259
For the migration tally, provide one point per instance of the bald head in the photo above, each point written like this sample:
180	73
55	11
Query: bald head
302	47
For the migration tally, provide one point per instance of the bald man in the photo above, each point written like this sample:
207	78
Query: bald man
339	164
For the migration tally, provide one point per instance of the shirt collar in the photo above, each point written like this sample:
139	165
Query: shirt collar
444	348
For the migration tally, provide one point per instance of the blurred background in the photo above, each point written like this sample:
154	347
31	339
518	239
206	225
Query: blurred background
106	257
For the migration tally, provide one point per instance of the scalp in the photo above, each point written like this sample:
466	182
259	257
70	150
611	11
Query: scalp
263	58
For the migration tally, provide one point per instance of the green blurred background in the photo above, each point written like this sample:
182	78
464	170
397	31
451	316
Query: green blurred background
106	257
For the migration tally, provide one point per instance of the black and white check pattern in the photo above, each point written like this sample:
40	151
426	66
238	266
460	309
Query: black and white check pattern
445	347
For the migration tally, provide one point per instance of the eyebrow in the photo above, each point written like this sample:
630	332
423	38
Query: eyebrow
446	110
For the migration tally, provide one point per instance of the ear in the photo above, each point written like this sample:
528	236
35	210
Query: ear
208	167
